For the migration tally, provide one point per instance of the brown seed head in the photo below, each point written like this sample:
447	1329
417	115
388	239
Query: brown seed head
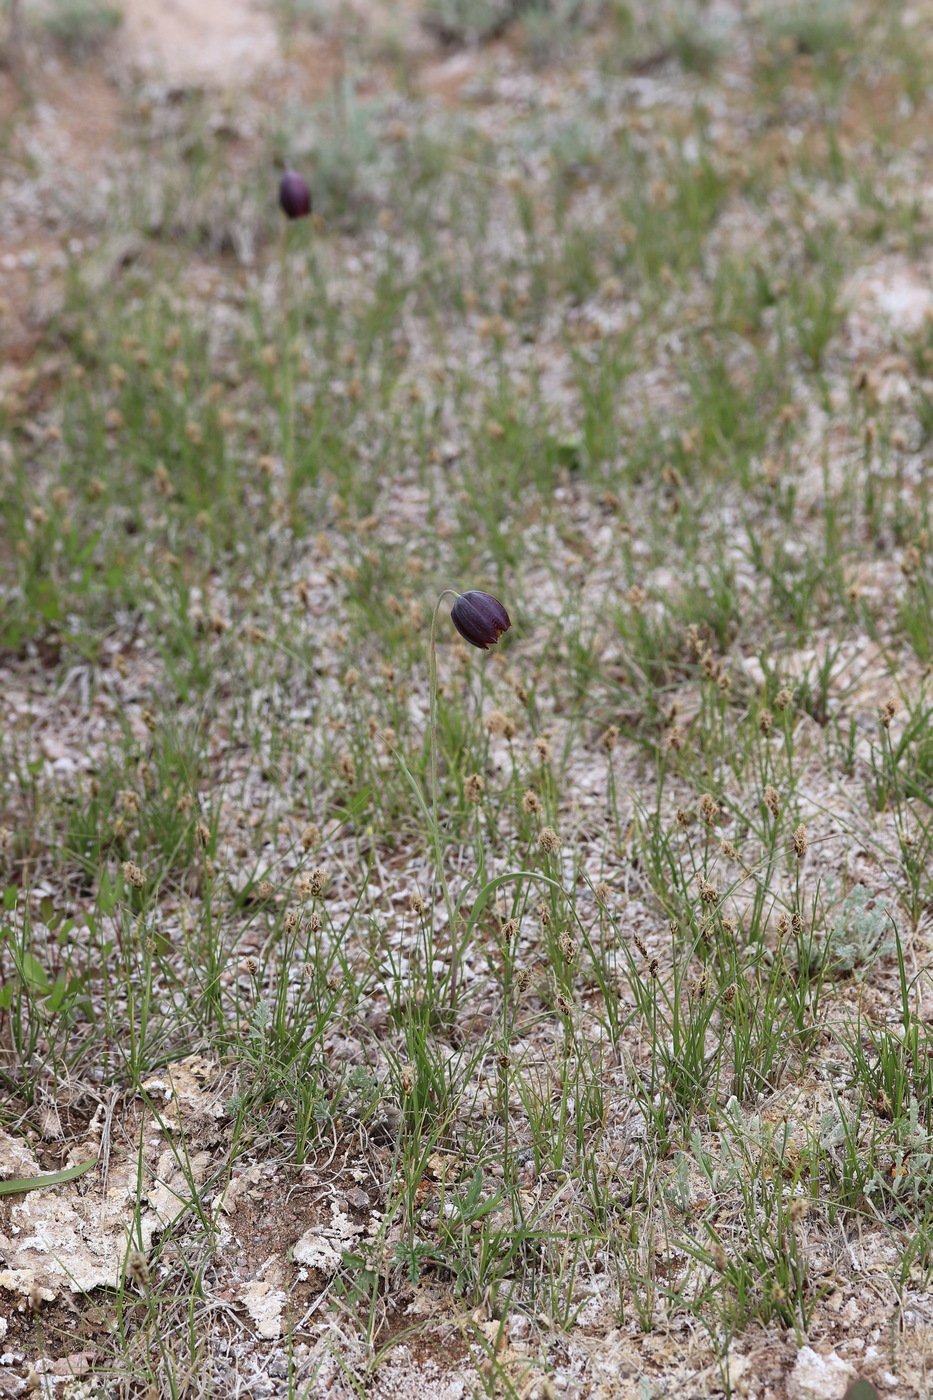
568	947
137	1268
709	809
610	738
783	699
798	1210
501	725
801	841
531	802
548	841
765	722
311	886
473	787
772	801
708	892
133	875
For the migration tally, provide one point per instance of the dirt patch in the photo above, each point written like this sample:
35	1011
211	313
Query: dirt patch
220	42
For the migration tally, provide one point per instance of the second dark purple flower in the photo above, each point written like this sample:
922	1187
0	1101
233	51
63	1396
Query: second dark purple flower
479	618
294	195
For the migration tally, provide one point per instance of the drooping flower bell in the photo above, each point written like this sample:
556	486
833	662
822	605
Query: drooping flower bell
294	195
479	618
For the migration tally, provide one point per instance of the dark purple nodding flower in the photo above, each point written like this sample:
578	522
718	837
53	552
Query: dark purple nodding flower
479	618
294	195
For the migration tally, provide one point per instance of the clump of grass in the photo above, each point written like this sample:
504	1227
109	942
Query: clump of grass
80	26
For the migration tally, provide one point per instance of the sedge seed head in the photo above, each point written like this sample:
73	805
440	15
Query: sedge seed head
500	725
708	891
473	787
801	841
311	886
798	1209
133	875
311	836
548	841
137	1267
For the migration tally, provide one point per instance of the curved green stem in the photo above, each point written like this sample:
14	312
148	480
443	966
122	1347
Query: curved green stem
435	827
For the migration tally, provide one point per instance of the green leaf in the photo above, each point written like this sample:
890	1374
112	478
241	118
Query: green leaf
33	973
57	995
861	1390
33	1183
